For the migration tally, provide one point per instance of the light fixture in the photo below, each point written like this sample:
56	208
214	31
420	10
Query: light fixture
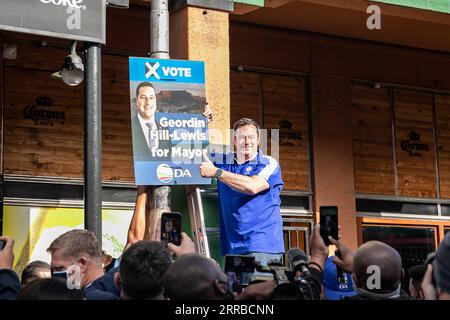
376	85
72	70
10	51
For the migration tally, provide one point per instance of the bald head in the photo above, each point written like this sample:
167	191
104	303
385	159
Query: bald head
386	258
195	277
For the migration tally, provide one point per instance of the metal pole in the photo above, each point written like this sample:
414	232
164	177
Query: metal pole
93	141
159	38
159	197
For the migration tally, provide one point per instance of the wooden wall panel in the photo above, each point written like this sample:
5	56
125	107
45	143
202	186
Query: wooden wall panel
45	150
415	168
442	105
50	148
285	101
117	146
372	141
283	98
244	96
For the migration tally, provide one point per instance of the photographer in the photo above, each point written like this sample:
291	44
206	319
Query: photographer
306	282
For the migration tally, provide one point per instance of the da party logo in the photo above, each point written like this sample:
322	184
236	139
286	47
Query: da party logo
166	174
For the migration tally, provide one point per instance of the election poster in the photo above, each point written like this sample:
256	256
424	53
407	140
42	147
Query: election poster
169	132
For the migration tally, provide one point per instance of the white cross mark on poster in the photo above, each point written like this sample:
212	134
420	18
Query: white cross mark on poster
152	70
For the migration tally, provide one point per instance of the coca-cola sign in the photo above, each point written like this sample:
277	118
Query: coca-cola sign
70	19
66	3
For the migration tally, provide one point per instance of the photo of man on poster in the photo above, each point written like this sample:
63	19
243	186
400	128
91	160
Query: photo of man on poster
147	136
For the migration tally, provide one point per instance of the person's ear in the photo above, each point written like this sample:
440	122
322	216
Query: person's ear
220	287
402	275
412	289
83	262
356	281
117	281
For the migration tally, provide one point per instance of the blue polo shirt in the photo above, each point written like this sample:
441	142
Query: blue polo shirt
250	223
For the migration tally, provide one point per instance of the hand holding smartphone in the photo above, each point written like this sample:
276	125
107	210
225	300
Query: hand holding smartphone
171	228
328	223
239	269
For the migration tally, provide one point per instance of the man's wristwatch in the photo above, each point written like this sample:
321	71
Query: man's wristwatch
218	173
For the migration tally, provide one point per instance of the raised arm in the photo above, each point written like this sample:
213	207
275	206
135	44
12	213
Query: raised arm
246	184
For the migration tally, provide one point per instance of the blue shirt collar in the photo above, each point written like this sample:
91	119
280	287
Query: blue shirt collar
257	159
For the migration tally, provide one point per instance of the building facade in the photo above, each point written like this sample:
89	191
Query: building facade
362	113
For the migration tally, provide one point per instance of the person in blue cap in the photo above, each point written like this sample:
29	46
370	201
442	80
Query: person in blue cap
333	289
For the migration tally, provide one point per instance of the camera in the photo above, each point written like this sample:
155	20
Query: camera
294	282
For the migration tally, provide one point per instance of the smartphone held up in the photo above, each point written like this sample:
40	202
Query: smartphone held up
329	223
171	228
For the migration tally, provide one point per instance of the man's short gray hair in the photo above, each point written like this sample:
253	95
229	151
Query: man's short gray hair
75	243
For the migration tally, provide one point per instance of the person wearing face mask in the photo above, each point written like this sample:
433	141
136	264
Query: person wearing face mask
249	184
76	257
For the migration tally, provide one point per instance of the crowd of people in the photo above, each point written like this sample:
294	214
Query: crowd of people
151	270
249	185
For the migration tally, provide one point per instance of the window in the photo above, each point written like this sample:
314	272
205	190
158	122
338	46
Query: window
413	239
413	243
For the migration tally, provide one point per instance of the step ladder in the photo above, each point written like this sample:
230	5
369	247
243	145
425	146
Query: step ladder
195	206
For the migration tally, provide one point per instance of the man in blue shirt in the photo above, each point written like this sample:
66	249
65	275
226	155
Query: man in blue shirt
249	185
